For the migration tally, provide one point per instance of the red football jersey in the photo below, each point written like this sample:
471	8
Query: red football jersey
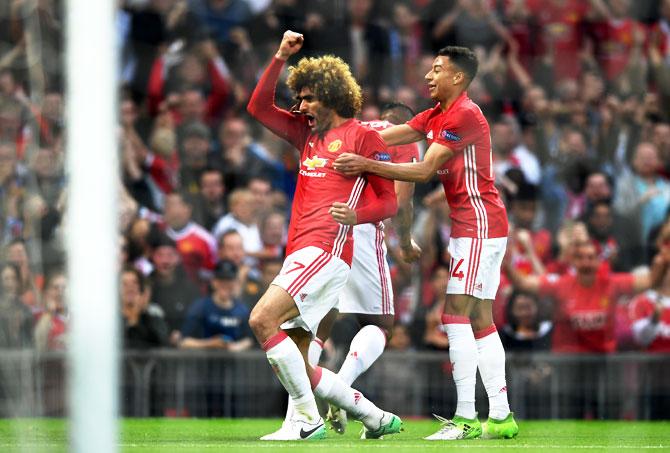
468	178
197	248
561	25
614	42
642	307
584	316
319	185
397	154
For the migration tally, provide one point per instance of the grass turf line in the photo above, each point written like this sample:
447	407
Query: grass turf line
193	435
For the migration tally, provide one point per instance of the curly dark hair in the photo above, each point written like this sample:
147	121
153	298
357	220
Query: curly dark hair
330	80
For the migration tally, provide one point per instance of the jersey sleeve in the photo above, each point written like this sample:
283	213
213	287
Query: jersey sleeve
458	129
404	153
290	127
372	146
420	121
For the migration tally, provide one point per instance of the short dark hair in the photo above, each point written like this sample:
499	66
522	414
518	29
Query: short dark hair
397	112
462	57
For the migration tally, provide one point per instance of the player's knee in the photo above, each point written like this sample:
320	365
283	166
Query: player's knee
258	323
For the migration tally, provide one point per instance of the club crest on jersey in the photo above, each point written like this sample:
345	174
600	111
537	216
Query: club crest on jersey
384	157
448	135
334	146
315	162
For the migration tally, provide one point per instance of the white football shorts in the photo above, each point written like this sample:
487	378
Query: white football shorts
314	278
475	266
368	289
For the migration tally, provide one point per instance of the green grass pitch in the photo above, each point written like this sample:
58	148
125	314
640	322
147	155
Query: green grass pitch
215	435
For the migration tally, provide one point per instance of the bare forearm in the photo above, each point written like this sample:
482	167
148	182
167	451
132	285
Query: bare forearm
411	172
401	134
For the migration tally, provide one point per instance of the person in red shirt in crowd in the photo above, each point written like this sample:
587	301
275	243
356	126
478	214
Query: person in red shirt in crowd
196	245
530	248
615	34
197	68
52	320
586	300
599	220
650	315
459	152
659	36
650	312
562	37
320	243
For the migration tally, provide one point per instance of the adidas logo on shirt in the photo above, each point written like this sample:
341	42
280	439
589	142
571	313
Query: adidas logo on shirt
429	135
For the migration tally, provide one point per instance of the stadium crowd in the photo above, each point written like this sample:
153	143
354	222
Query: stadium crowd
577	94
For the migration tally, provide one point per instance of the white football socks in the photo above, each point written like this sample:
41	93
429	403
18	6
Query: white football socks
314	352
287	362
329	386
463	356
313	355
365	348
491	362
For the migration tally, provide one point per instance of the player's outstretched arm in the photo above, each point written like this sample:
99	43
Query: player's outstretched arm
400	134
436	156
262	103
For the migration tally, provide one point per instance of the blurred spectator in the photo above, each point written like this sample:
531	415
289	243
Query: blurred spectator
51	321
240	157
599	220
585	302
650	312
201	68
219	321
241	218
142	329
253	288
644	196
173	291
221	16
196	245
209	205
530	246
510	152
615	34
525	330
12	191
195	147
138	245
473	24
273	235
16	253
16	321
231	248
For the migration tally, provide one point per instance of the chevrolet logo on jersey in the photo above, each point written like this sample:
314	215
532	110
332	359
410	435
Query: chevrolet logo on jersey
315	162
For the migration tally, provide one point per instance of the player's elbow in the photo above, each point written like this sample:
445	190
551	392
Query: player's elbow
426	175
252	108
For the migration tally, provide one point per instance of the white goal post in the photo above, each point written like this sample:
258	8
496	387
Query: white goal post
91	224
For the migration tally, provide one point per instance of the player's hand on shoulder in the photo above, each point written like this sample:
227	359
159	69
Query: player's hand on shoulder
291	43
343	214
350	164
410	252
